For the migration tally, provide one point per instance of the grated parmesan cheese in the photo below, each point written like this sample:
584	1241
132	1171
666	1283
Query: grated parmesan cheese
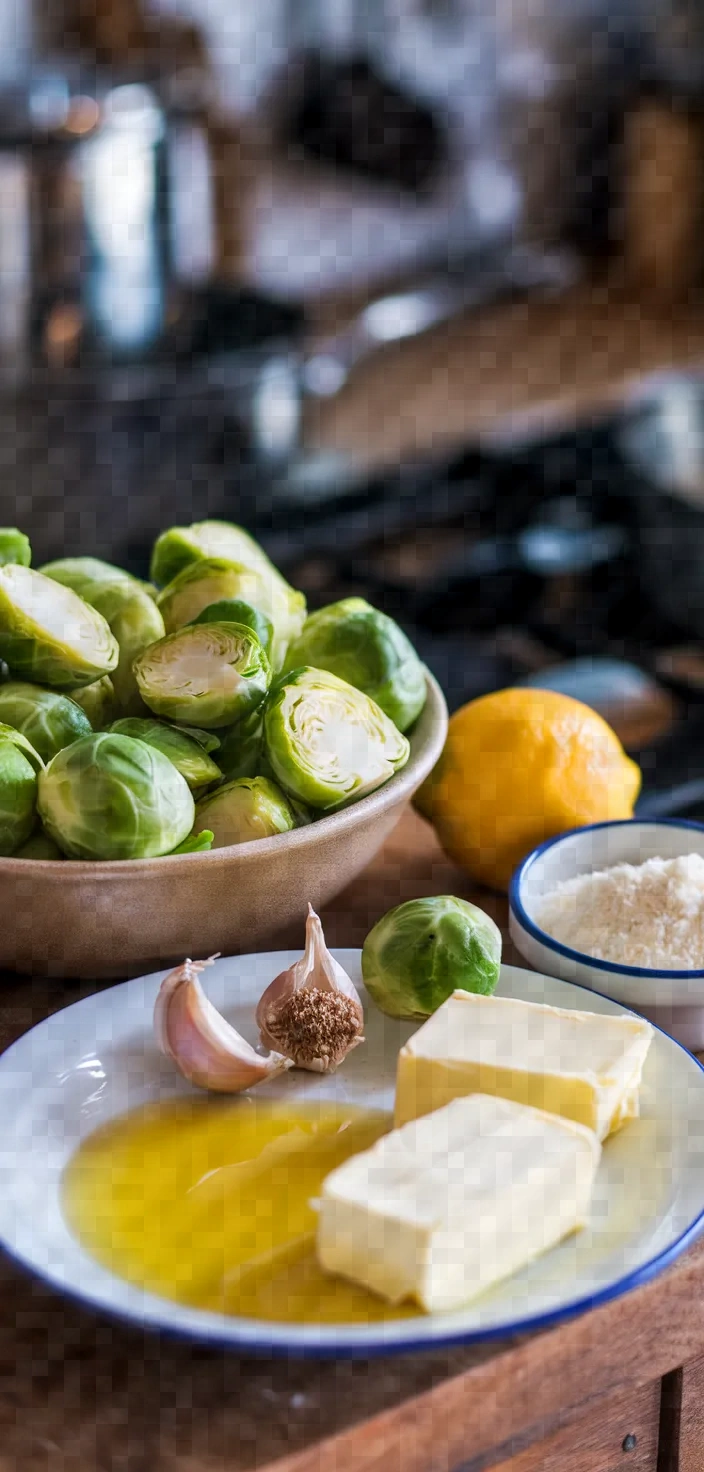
649	915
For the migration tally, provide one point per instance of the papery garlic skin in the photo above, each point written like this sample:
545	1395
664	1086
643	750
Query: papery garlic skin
206	1049
320	976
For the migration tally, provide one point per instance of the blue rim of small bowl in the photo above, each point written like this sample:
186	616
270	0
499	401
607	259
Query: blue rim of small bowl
255	1340
610	967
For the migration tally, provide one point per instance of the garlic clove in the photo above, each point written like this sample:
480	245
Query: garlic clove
206	1049
312	1011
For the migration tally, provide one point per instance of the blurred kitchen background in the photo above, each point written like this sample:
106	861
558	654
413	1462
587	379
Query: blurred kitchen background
411	288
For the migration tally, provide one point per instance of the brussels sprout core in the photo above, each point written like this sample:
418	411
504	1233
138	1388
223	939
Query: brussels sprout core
207	675
328	743
48	634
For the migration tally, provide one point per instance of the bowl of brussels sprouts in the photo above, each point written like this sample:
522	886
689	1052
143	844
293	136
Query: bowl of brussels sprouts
186	763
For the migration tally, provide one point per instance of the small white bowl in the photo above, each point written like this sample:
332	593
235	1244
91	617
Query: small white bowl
672	999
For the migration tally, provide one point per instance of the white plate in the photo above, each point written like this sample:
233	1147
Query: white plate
97	1058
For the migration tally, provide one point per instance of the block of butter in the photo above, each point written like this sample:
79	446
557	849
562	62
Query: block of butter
585	1066
439	1210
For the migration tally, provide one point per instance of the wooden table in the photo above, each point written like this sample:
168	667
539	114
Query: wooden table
621	1387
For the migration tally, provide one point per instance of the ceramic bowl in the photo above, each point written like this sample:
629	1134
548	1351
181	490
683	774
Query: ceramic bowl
88	920
672	999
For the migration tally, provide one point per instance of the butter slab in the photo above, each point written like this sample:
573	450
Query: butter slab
584	1066
444	1207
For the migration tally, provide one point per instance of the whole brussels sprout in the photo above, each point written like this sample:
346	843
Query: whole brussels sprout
14	547
48	719
251	807
18	792
213	580
48	634
328	744
418	954
368	649
39	846
236	611
183	747
129	609
242	747
182	545
85	574
97	701
111	797
10	733
206	675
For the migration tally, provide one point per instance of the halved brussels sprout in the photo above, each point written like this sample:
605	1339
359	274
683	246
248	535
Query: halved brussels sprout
251	807
212	580
39	846
111	797
182	545
48	634
422	951
327	742
207	675
129	609
18	793
48	719
181	747
97	701
14	546
368	649
236	611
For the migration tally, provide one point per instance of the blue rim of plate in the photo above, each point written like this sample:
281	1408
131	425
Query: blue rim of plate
254	1340
548	941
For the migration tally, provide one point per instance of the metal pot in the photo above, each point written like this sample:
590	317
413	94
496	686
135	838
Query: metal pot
92	184
662	445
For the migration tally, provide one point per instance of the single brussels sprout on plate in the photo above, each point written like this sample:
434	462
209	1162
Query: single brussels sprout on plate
327	743
236	611
251	807
184	748
47	718
213	580
127	606
111	797
182	545
368	649
18	791
48	634
97	701
14	547
206	675
39	846
422	951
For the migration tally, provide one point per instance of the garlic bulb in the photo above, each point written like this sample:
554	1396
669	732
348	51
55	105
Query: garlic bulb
312	1012
204	1046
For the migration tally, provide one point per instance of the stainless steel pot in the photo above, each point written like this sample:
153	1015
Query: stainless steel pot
94	249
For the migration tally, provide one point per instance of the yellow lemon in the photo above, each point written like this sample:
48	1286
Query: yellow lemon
520	766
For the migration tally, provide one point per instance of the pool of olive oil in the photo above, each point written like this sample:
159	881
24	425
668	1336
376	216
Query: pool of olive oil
208	1202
